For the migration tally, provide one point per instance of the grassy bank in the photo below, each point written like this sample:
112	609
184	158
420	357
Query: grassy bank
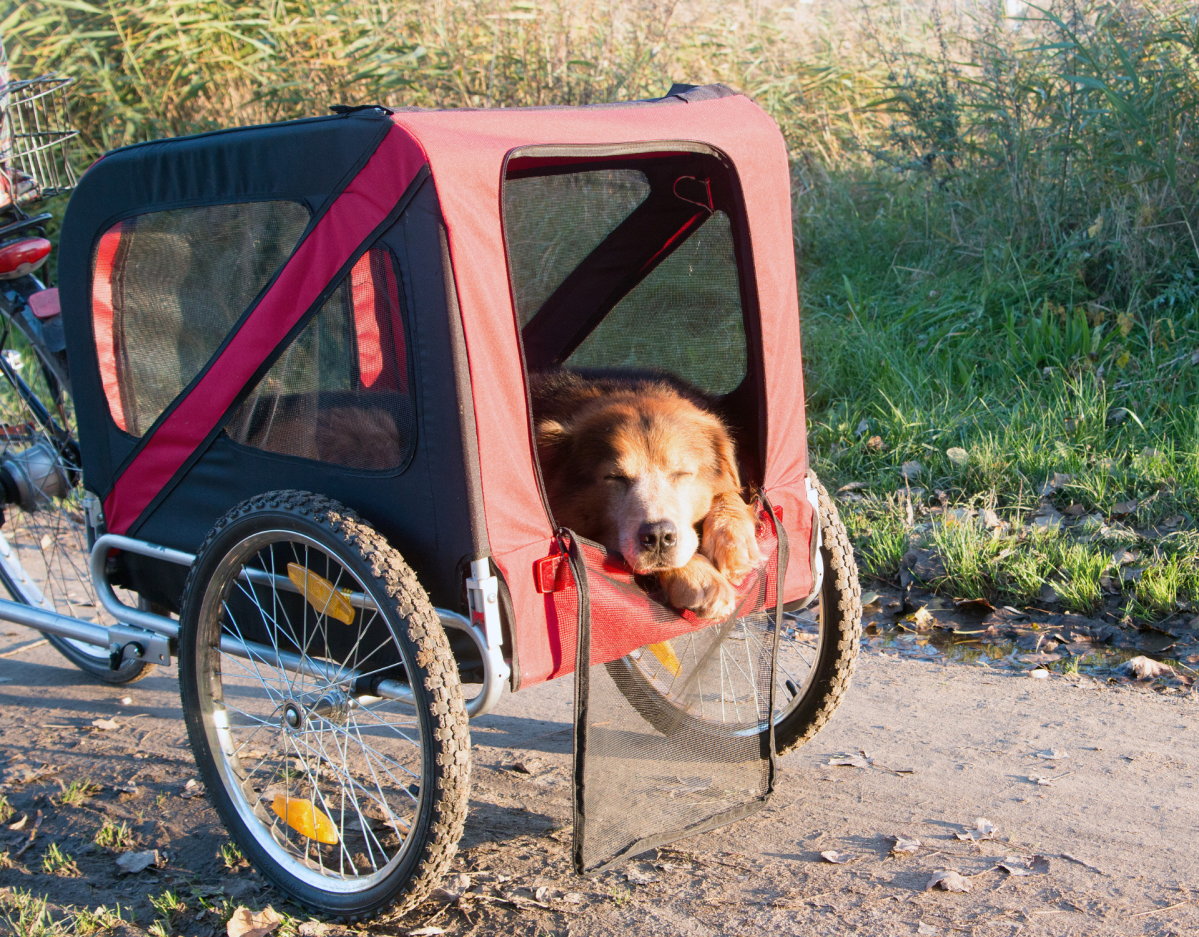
996	229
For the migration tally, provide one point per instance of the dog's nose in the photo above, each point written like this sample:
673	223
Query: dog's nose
658	535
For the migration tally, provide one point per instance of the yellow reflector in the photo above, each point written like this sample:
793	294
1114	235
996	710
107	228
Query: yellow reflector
305	818
320	593
665	654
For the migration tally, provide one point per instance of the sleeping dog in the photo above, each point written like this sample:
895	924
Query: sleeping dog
642	467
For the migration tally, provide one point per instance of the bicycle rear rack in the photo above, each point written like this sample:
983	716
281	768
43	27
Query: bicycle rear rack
144	635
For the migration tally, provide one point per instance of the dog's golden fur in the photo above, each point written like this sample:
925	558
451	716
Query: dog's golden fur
642	467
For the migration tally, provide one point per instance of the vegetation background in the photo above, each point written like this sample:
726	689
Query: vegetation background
996	226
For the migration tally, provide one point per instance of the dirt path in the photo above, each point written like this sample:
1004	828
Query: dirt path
1124	804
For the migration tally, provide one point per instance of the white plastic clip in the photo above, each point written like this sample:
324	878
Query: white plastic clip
817	542
483	597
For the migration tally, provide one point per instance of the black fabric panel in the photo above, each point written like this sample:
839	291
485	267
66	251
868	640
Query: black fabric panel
303	161
424	511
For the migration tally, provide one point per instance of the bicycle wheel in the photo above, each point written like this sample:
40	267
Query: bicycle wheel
816	655
294	612
43	540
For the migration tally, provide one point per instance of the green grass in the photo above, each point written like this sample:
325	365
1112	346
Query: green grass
169	906
57	862
114	836
997	229
231	856
77	792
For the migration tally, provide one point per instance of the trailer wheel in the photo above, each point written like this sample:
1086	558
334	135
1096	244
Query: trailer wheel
43	541
816	656
323	706
836	617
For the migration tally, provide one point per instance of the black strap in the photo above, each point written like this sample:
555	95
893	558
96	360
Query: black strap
569	544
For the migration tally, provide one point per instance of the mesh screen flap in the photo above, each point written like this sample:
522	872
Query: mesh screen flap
629	269
553	222
672	715
168	286
339	392
684	318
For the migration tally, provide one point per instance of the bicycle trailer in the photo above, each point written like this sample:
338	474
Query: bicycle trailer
290	445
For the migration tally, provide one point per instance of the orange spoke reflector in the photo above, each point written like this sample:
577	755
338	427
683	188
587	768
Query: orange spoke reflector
305	818
320	593
666	655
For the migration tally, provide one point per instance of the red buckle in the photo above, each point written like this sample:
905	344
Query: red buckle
548	574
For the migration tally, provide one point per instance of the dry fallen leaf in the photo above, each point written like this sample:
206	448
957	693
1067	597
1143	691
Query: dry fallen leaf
957	455
1039	673
982	829
1024	865
876	444
911	470
245	923
1052	754
852	486
923	619
837	858
639	876
973	606
312	929
905	846
130	863
948	881
862	427
851	761
106	725
989	519
191	789
1146	668
1124	557
20	824
926	929
454	888
528	766
425	932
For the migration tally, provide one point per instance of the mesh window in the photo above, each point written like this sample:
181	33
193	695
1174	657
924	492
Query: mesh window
168	286
339	393
684	318
672	715
553	222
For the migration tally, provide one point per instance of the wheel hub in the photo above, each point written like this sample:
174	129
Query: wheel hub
293	715
333	706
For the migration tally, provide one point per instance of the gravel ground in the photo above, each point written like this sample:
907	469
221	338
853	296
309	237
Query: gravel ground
1104	846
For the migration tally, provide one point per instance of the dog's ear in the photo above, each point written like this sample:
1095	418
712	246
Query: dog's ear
553	443
725	455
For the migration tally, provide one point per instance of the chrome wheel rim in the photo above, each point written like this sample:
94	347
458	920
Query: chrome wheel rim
730	693
44	552
281	738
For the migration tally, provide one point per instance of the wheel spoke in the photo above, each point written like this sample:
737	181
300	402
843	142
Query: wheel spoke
360	765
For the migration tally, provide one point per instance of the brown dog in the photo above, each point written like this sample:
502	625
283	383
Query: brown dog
640	466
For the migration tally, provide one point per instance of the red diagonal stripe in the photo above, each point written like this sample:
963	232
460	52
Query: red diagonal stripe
351	218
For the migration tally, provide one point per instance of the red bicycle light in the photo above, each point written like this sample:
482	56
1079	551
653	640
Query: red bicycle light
22	257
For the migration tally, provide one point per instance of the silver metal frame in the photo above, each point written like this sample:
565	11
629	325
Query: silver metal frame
143	635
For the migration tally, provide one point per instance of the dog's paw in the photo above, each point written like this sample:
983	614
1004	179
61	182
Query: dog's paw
730	539
701	588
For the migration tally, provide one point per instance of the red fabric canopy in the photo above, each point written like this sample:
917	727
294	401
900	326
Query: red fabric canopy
466	150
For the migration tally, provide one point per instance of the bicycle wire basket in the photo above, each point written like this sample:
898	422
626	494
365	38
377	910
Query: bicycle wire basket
39	165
